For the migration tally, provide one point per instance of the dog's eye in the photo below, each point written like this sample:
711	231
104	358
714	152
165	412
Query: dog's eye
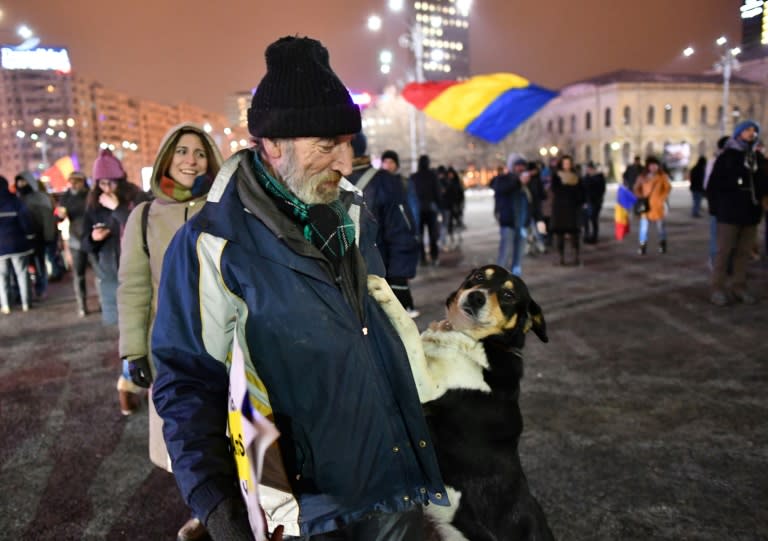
507	295
478	277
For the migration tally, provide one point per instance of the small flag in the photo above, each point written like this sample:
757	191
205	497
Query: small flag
487	106
621	221
251	434
626	198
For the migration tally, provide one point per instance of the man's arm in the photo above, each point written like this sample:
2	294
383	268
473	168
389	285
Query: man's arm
194	324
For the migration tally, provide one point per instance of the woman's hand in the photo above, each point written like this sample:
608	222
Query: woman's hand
100	233
108	200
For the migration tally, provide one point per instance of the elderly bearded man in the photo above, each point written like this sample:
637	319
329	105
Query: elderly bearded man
276	264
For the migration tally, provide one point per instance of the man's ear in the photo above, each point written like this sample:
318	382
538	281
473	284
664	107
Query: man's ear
535	321
271	148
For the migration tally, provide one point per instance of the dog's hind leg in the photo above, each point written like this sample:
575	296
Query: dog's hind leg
379	289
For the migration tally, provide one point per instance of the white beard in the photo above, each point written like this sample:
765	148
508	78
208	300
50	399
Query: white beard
305	188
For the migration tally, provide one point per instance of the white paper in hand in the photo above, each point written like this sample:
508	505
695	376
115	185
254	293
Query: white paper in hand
251	434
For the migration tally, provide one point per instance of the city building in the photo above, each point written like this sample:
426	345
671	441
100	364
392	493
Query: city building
613	117
754	28
445	28
237	108
48	113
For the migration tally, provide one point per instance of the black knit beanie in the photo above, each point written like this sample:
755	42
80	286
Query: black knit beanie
300	95
392	155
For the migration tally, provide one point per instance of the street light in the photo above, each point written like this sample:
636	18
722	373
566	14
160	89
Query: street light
726	65
412	39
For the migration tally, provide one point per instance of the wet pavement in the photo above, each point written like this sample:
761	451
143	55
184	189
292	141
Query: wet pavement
645	414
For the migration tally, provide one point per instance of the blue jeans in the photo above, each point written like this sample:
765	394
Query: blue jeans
644	229
712	240
697	197
511	248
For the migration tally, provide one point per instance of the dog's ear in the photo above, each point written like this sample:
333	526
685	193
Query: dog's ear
535	321
451	298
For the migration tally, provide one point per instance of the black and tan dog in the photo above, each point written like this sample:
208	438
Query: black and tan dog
467	370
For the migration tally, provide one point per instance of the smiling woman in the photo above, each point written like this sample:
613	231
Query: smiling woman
186	164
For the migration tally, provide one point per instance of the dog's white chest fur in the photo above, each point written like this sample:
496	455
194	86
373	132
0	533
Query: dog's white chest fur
454	361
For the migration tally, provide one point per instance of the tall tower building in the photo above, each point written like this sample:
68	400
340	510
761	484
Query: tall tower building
445	29
754	28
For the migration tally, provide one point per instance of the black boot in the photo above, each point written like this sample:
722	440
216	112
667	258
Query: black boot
663	247
643	248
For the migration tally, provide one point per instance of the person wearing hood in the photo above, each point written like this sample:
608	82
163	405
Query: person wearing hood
738	189
187	162
43	223
16	228
397	238
106	212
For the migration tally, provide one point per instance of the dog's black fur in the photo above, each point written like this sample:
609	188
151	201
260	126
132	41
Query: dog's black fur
476	433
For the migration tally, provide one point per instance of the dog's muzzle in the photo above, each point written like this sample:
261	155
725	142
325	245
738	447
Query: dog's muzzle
473	303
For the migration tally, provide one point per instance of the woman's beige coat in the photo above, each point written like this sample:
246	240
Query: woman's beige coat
139	275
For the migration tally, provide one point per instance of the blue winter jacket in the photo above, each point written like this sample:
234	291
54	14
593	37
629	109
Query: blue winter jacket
16	226
321	357
511	205
397	238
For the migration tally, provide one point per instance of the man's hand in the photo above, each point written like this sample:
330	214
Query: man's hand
138	371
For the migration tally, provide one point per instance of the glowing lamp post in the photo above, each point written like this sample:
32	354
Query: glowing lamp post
726	65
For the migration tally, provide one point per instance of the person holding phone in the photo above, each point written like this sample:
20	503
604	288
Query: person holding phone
107	208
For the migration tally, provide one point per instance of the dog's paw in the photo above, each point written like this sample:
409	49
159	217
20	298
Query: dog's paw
441	326
379	289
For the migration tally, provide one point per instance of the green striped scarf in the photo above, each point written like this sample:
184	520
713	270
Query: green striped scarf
328	227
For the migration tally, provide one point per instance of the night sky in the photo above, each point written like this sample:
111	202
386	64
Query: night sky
200	51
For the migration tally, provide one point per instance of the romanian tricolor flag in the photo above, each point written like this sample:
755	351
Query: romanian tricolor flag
56	176
487	106
625	200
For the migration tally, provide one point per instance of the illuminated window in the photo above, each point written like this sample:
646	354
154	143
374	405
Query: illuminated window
573	123
560	124
651	118
703	115
627	115
667	115
684	115
588	121
607	117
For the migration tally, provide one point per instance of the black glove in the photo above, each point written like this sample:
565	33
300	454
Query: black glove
229	521
137	370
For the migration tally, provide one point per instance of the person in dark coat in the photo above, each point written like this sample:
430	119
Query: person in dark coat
697	185
738	188
512	211
72	207
631	173
427	189
567	201
16	230
44	224
594	192
397	238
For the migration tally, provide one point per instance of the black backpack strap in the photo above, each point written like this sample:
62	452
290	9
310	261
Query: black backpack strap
144	222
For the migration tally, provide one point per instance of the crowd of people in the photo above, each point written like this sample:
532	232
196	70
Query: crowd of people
221	254
538	206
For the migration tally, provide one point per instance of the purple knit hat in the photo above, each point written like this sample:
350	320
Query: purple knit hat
107	166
